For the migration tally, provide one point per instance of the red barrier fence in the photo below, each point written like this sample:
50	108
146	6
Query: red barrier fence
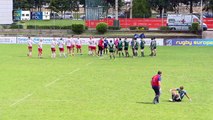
150	22
209	22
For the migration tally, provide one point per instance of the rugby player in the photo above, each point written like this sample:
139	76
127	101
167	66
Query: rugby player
178	94
126	47
40	44
111	49
30	46
156	86
61	47
142	45
53	48
78	45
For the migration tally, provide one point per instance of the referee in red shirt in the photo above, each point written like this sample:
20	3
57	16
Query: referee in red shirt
156	83
100	46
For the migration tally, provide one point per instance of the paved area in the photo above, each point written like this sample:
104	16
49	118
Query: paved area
208	34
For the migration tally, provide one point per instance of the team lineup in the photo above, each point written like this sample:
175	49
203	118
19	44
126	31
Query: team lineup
115	46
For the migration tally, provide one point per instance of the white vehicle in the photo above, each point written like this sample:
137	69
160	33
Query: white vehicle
182	21
67	15
82	17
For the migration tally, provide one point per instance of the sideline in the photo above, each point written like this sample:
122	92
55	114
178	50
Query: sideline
20	100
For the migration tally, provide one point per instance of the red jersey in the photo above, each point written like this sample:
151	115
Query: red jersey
101	43
155	80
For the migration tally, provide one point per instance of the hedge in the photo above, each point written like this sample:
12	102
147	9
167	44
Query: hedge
48	27
165	28
114	28
102	27
139	28
78	28
195	27
15	26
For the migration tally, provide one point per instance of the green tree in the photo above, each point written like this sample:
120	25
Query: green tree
160	5
62	5
82	2
208	5
190	3
38	4
23	4
53	5
141	8
173	5
112	3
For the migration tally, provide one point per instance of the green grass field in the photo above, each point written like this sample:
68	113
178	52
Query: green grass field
93	88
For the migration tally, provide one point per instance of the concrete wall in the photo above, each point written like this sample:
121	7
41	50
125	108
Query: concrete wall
6	11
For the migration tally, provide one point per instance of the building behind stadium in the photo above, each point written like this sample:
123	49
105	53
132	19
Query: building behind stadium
6	12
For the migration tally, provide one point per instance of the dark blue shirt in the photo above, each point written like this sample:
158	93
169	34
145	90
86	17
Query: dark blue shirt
182	93
105	43
142	35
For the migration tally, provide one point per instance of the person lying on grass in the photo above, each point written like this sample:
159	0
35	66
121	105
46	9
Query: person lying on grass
178	94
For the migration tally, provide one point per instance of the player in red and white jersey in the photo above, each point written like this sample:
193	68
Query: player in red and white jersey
69	43
90	46
53	48
93	47
40	44
30	46
61	47
72	45
78	45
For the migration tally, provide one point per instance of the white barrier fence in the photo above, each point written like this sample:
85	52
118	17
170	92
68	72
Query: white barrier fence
47	40
8	40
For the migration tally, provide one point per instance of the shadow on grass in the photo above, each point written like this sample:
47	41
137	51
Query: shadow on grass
144	102
161	101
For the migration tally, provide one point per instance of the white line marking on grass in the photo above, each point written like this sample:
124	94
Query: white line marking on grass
89	63
74	71
21	100
52	82
50	100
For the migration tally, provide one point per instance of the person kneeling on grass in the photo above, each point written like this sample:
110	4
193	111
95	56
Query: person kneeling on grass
178	94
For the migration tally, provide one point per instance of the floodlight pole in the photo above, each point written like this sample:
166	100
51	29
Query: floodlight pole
162	16
131	9
201	17
116	9
116	22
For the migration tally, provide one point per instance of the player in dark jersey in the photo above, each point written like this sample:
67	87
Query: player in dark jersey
116	40
178	94
136	45
132	46
142	45
111	49
126	46
120	47
153	46
105	46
